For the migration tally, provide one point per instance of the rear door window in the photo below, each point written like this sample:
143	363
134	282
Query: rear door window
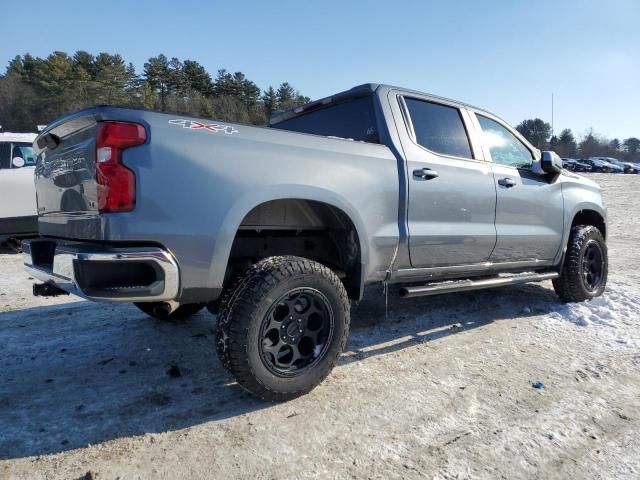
439	128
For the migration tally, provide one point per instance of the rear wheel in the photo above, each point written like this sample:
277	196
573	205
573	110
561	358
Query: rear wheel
584	274
159	311
282	327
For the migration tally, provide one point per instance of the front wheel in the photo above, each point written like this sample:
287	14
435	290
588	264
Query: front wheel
282	327
584	273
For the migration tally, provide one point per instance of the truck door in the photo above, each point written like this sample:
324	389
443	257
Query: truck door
17	190
451	193
529	209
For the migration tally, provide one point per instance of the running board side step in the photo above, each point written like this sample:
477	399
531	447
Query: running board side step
467	285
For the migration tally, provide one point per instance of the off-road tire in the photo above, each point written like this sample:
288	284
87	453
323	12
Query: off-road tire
572	286
181	313
243	309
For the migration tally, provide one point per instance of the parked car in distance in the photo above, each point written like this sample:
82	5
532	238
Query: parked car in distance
18	213
618	167
596	165
575	165
627	167
599	165
283	226
582	167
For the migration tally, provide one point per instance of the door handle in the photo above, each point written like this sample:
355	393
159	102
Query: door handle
425	174
507	182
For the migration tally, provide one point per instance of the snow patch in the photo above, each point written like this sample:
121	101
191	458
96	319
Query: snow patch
617	309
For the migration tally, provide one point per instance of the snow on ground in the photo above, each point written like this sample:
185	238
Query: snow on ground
437	387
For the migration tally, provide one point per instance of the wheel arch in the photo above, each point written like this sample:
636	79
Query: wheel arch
583	214
590	216
264	199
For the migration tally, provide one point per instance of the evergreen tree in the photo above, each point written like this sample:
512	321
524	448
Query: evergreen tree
632	149
178	81
148	96
80	83
86	61
245	89
536	131
18	103
270	101
53	80
615	146
223	85
286	96
29	65
16	67
37	90
590	146
156	73
567	146
112	79
197	77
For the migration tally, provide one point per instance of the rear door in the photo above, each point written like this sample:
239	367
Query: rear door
451	208
529	209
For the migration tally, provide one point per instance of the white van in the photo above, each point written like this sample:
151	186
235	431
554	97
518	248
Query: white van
18	211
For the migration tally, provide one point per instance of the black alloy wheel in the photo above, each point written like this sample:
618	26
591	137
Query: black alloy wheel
295	331
593	265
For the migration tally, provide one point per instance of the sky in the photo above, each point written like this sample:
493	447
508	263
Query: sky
505	56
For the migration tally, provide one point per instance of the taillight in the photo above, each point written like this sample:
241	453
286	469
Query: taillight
116	183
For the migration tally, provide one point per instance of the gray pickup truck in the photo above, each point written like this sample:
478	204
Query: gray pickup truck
276	229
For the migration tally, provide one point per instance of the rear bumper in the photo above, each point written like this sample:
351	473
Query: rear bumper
107	274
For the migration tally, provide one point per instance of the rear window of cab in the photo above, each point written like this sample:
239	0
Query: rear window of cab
352	119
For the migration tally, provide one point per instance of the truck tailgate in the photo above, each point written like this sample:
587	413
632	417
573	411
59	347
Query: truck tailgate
65	173
81	172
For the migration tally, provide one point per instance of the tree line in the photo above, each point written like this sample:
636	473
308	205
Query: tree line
35	91
538	132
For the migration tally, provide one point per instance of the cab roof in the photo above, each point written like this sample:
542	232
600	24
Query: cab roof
355	92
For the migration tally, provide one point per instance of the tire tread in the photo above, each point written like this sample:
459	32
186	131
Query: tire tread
237	310
569	286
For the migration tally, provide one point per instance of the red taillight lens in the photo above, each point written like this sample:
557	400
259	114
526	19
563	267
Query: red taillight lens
116	183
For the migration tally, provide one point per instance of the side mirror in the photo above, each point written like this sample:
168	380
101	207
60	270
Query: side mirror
17	162
551	162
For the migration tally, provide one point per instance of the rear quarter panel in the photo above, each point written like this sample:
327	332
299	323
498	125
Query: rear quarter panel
194	188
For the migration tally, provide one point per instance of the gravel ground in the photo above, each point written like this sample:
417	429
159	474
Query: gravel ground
438	387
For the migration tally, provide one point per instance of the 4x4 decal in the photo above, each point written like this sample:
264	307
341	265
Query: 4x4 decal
209	127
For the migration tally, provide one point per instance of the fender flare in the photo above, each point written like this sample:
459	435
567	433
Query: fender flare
568	220
239	210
